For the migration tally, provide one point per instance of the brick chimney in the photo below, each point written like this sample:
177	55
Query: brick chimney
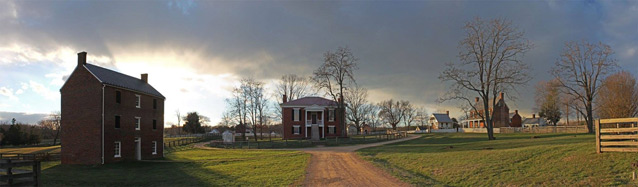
476	99
502	96
447	112
81	58
285	99
145	77
516	111
533	115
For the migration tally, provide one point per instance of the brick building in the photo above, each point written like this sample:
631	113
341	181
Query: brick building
311	118
109	116
500	114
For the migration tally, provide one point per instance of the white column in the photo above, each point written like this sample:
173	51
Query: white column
305	128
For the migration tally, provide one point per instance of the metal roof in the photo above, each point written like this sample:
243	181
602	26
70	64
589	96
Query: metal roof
309	101
442	118
116	79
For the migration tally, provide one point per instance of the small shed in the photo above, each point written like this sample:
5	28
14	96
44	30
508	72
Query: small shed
228	136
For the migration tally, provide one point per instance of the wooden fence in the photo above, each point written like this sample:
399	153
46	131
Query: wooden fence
616	135
545	129
35	156
10	176
190	140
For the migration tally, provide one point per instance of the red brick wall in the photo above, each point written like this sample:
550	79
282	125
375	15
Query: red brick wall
81	134
288	124
81	110
126	133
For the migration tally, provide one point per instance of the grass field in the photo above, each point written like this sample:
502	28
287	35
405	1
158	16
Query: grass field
31	150
192	167
511	160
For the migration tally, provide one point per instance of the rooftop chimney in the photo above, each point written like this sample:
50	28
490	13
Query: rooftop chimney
476	99
516	111
502	96
285	98
145	77
81	58
447	112
533	115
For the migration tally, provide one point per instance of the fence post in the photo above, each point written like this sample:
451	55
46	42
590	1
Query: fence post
597	128
36	172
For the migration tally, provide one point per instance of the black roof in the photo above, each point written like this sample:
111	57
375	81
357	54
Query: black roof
116	79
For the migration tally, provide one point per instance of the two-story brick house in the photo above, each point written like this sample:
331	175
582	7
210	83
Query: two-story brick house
500	114
109	116
310	118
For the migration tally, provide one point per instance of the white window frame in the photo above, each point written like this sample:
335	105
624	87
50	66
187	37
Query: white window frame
138	101
297	129
138	123
331	115
296	113
331	129
118	149
154	147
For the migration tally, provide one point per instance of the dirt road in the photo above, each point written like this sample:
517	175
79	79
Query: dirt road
340	166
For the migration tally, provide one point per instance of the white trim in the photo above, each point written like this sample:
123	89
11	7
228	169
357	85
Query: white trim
298	129
118	149
138	123
296	114
331	118
154	147
138	101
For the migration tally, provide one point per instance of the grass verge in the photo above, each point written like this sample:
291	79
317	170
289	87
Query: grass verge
511	160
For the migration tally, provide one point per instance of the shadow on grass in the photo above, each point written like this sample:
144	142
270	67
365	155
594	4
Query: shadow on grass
133	174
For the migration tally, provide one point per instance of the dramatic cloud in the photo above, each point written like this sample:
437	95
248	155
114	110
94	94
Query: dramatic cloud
195	51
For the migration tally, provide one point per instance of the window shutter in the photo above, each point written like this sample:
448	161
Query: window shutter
293	115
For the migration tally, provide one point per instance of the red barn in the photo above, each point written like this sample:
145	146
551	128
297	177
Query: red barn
109	116
311	118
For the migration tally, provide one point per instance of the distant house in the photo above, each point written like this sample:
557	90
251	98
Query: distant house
500	114
441	121
352	130
515	120
366	129
214	131
109	116
534	121
311	118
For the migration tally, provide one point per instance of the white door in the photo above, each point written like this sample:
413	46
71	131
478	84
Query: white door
138	148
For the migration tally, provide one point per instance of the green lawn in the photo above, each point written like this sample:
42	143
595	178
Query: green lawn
191	167
31	150
511	160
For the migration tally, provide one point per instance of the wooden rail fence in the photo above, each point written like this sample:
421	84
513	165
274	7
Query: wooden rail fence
616	135
10	176
31	156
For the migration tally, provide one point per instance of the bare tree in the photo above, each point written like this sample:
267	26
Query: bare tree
548	100
256	103
237	105
179	121
372	115
421	117
409	113
580	69
226	119
618	96
292	87
490	63
391	112
356	99
335	76
52	125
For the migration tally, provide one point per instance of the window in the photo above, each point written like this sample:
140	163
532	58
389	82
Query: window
154	124
117	122
154	147
331	115
138	102
154	103
295	129
118	149
118	97
296	114
331	130
137	123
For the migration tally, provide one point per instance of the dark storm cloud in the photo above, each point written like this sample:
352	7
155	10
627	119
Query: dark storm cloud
402	46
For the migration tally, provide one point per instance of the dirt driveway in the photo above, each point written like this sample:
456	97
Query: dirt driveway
340	166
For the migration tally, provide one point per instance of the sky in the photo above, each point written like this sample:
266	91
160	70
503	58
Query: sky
196	51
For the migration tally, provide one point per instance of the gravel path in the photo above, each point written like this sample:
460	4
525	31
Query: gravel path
340	166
